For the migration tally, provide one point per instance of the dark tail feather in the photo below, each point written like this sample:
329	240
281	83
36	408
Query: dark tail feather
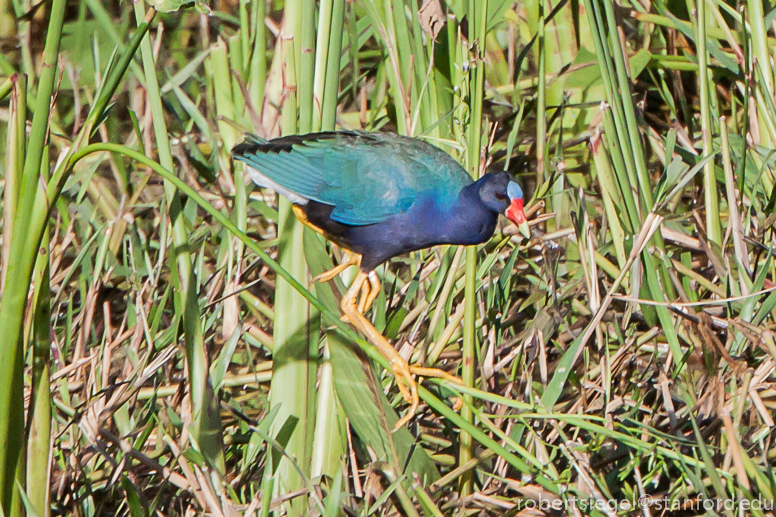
255	144
251	144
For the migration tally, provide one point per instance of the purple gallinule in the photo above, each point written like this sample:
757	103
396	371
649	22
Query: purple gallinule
379	195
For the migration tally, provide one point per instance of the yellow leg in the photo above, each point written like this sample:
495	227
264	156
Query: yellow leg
403	372
351	260
374	286
363	298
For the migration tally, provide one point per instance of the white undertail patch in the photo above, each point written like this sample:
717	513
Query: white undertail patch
263	181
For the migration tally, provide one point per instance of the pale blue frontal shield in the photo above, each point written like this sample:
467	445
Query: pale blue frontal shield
514	191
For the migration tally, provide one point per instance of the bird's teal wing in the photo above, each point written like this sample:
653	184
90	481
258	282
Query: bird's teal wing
366	177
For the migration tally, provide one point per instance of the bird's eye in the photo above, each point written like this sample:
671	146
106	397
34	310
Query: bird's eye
500	196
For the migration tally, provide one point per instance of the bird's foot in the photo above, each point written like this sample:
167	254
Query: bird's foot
356	301
435	373
408	388
369	293
350	260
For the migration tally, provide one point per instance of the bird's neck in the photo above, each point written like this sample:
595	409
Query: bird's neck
471	222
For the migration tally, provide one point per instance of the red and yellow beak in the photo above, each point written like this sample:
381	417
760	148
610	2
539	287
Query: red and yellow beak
516	215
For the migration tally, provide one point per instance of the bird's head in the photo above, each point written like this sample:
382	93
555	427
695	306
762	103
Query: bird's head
502	194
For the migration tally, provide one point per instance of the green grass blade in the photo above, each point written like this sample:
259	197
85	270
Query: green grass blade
40	416
19	269
14	162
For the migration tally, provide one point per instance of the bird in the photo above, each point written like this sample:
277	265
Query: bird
378	195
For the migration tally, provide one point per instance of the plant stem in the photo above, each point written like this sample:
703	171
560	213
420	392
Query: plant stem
713	226
478	12
541	99
293	374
